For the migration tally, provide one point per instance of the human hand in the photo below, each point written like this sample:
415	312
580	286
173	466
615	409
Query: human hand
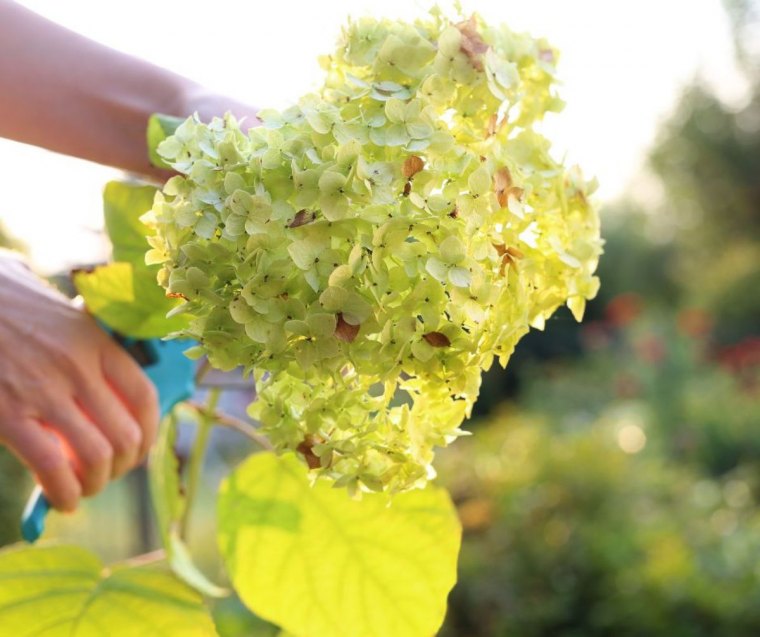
74	406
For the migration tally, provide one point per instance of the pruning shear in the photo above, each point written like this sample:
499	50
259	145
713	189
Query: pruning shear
171	372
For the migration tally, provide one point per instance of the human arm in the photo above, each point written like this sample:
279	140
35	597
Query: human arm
73	406
66	93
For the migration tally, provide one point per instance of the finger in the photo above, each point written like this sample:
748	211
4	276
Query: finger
108	413
90	450
136	391
40	451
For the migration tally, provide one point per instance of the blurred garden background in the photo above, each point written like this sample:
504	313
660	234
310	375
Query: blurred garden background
612	484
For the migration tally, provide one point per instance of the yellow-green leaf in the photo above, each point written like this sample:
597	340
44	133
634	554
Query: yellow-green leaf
128	300
321	564
65	591
123	205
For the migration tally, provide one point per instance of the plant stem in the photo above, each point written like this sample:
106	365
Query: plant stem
241	426
197	454
145	559
203	369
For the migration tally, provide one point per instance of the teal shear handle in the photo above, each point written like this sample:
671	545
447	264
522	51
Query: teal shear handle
171	372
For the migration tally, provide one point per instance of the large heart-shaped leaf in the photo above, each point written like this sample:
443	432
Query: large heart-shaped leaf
66	591
319	563
123	205
125	295
128	301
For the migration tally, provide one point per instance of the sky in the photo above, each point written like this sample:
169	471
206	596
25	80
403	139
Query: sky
623	65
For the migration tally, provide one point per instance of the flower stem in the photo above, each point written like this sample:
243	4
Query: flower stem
197	454
241	426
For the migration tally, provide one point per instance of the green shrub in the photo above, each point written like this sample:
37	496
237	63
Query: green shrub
568	535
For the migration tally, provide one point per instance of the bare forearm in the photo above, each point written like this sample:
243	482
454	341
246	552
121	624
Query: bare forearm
69	94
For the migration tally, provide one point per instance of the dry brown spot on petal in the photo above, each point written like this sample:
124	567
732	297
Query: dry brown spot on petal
454	213
412	165
472	44
494	125
509	256
302	218
176	295
306	449
502	185
407	188
502	179
506	261
345	331
437	339
491	127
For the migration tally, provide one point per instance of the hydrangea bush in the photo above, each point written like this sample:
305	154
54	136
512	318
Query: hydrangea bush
368	252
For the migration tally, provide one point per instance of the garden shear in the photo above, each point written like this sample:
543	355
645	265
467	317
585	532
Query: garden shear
171	372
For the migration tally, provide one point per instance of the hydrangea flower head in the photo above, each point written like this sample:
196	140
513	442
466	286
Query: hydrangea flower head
368	252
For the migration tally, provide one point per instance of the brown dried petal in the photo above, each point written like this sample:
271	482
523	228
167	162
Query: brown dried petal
502	179
412	165
302	218
472	44
495	125
509	256
306	449
491	127
345	331
437	339
502	184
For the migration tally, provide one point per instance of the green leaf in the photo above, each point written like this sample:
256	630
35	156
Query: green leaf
125	295
123	205
129	301
65	590
159	128
184	567
163	476
317	562
169	503
232	619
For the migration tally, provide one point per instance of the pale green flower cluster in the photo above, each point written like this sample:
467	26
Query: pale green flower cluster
367	252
